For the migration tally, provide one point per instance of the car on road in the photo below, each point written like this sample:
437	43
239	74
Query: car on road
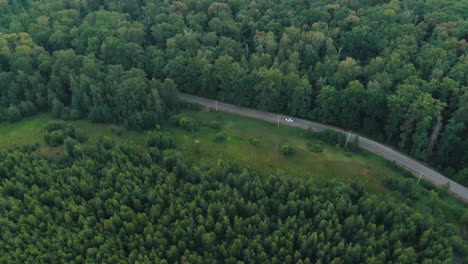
289	120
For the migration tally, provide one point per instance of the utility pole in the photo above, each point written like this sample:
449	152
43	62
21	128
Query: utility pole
420	174
278	120
347	139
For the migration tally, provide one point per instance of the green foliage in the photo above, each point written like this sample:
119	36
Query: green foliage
184	122
315	147
464	219
254	141
161	140
57	131
70	144
188	124
220	137
13	114
118	131
55	138
388	70
286	149
331	137
214	125
111	194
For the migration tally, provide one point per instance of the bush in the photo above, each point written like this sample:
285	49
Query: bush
404	186
220	137
14	114
3	114
191	106
162	140
56	138
55	125
444	190
315	147
118	131
70	144
254	141
69	131
188	124
286	150
174	120
184	122
331	137
214	125
81	136
338	147
27	108
57	131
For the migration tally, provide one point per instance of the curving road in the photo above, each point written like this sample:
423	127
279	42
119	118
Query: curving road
412	165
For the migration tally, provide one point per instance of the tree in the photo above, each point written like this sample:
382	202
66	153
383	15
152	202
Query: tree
352	105
169	94
326	105
138	105
229	75
269	87
13	114
301	95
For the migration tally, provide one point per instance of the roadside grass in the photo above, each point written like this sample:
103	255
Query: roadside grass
266	156
200	149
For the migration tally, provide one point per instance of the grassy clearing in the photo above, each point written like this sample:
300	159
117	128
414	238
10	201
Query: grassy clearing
199	148
329	164
31	131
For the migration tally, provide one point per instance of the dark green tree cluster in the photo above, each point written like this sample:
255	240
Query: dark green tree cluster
108	203
58	132
394	70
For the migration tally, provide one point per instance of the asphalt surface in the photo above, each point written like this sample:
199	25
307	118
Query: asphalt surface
417	168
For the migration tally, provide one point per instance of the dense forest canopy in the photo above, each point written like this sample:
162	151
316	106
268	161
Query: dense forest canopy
115	203
393	70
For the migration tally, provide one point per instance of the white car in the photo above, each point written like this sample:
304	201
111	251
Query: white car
289	120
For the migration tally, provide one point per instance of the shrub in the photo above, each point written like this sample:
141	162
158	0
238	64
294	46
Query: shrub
55	125
162	140
81	136
70	144
184	122
56	138
214	125
315	147
286	150
444	190
254	141
69	131
174	120
331	137
188	124
220	137
3	114
106	142
27	108
14	114
118	131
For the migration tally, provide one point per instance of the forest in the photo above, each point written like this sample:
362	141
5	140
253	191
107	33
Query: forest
111	202
392	70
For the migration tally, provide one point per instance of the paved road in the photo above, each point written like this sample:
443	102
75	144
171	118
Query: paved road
412	165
